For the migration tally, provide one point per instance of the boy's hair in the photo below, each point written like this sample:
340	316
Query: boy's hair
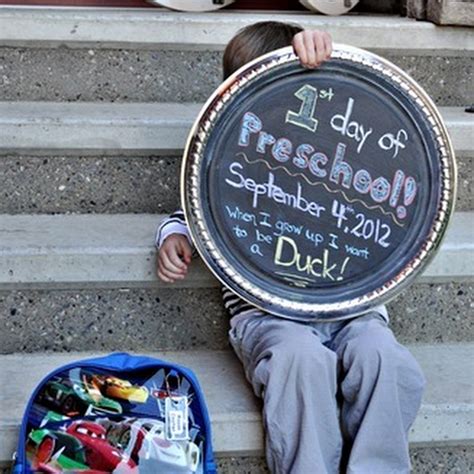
254	40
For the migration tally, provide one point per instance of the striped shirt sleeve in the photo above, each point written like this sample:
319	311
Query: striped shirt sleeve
238	308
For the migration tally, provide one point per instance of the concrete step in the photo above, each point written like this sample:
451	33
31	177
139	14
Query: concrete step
137	75
87	54
428	460
45	128
157	319
119	184
107	185
446	416
164	75
88	282
445	460
424	460
155	29
167	56
116	251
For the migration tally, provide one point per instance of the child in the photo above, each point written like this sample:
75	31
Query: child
337	395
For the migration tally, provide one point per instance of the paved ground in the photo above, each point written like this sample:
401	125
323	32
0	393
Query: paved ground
174	76
172	319
458	460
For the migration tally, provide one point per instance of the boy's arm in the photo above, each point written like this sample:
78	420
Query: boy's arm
174	248
173	224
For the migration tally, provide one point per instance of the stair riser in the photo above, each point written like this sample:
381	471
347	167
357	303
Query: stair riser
168	319
429	460
95	75
38	185
111	320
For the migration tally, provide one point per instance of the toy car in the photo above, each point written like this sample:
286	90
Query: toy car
82	446
121	389
72	397
144	441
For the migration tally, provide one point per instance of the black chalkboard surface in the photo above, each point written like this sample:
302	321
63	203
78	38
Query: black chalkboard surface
318	193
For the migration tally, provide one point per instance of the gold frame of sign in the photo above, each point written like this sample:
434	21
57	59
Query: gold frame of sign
262	296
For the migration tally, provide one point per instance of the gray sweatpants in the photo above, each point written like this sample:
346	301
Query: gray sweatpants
337	396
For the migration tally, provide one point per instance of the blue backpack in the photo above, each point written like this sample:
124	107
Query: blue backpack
119	414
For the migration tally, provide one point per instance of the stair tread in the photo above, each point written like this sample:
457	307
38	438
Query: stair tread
445	416
117	250
138	28
134	128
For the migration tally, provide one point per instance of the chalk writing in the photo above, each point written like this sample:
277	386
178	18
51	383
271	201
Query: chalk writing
239	232
287	255
284	227
326	94
364	228
270	190
255	249
315	237
357	252
296	280
351	129
339	170
305	116
237	214
317	185
333	241
261	237
389	141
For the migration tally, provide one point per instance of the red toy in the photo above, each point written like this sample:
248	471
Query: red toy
99	452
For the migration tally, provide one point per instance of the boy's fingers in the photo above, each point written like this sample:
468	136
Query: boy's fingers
300	51
172	262
312	47
320	48
186	251
175	259
328	45
169	274
309	47
162	277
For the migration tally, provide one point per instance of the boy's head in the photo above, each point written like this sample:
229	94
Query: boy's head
254	40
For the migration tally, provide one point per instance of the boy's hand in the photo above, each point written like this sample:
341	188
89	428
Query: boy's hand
174	258
312	47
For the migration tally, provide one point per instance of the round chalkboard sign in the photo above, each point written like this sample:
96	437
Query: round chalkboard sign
318	193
